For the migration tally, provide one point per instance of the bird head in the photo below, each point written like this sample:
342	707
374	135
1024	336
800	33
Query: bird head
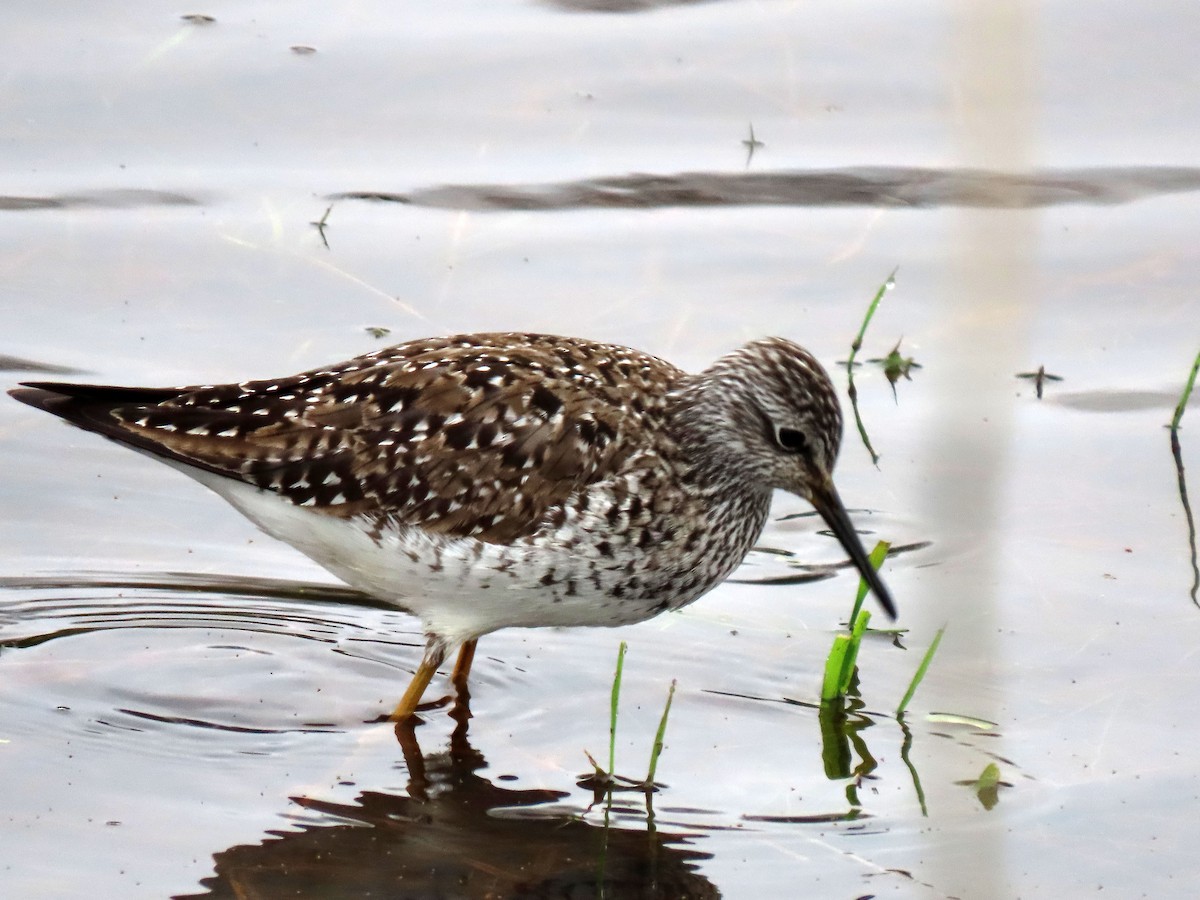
774	413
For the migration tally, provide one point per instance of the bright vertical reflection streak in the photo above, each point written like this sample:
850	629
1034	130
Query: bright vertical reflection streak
989	296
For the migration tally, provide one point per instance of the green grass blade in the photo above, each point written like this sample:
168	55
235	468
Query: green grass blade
1187	393
876	557
843	655
612	716
834	665
839	665
657	750
860	627
862	331
855	345
852	393
920	673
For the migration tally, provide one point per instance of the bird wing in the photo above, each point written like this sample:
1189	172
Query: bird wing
473	435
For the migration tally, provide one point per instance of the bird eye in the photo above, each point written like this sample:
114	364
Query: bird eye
792	440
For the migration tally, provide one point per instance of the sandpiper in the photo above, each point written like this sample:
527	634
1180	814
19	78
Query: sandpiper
483	481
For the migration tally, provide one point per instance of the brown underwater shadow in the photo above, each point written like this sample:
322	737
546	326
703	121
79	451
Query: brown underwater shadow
456	834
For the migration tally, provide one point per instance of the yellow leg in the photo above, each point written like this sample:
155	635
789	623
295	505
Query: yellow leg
435	652
462	666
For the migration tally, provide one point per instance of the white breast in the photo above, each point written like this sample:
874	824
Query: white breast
460	588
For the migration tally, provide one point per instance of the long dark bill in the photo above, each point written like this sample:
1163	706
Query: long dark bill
827	502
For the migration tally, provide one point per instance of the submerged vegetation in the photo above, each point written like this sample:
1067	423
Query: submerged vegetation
1177	452
855	346
843	655
841	663
895	366
841	710
604	781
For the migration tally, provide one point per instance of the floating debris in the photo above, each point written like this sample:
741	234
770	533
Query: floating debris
320	225
1040	377
987	786
960	719
896	367
751	144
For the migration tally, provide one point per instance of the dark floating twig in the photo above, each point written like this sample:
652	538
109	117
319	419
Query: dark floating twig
751	143
856	344
1177	452
321	225
1040	377
850	815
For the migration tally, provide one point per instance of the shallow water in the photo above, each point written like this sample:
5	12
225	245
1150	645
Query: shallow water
189	708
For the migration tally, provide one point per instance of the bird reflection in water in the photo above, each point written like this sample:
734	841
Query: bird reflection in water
457	834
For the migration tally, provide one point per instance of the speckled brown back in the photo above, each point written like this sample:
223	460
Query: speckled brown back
459	435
